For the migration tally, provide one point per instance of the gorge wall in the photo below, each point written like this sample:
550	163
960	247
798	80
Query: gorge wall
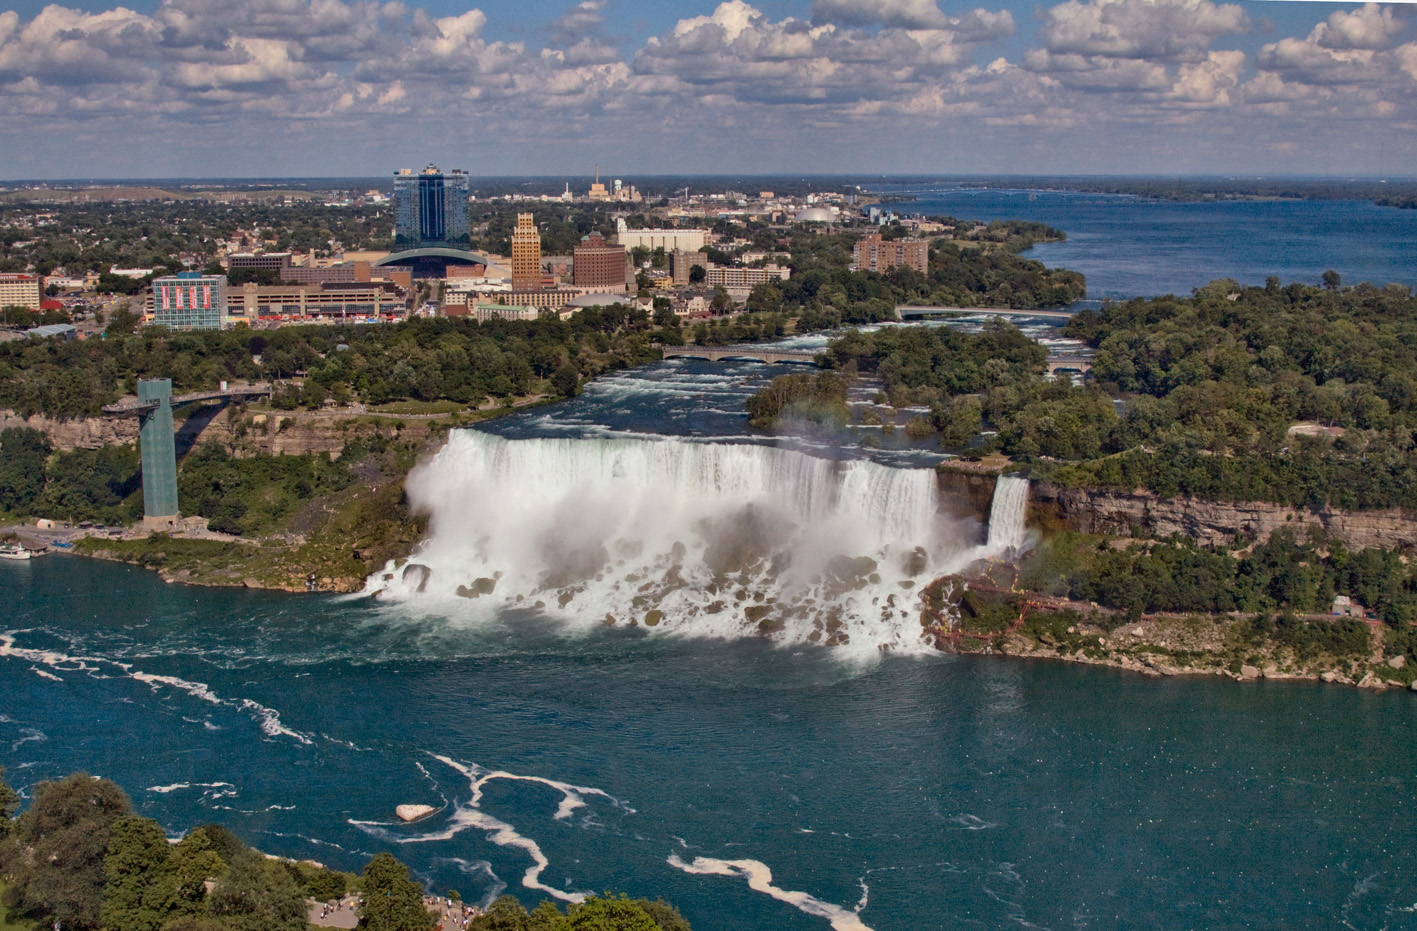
243	433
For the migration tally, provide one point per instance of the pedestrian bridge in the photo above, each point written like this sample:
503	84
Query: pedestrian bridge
739	353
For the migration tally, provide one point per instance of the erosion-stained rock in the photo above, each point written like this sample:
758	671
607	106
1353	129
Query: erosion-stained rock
1397	662
1250	672
1271	671
1096	510
478	588
652	618
414	812
416	576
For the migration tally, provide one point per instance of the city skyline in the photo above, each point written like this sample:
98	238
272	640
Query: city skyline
272	88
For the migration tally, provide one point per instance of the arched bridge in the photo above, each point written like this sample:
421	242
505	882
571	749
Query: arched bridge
1058	364
435	252
719	353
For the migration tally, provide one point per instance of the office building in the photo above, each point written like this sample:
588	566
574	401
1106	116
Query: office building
275	261
681	265
744	279
430	207
668	240
526	254
599	265
18	290
874	254
189	301
328	300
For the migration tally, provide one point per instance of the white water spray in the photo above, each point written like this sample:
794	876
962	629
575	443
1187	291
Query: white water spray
1006	517
707	539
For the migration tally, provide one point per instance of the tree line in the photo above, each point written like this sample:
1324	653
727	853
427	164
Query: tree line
80	859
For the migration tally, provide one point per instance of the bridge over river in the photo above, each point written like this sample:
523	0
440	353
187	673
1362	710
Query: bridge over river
718	353
908	311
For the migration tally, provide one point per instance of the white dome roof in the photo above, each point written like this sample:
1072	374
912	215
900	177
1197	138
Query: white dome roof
598	300
814	215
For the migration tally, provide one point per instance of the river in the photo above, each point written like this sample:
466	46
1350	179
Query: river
752	776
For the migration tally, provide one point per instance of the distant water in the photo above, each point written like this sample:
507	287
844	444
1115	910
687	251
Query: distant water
941	792
1131	246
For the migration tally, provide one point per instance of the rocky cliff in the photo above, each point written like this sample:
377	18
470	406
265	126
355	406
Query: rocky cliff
241	432
1211	522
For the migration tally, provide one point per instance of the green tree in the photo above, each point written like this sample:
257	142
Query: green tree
9	804
191	862
612	913
23	456
55	861
134	897
506	913
697	274
258	894
392	901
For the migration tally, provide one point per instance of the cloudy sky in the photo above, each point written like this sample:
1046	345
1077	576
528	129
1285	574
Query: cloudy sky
192	88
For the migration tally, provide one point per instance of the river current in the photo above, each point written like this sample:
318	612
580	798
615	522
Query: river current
755	777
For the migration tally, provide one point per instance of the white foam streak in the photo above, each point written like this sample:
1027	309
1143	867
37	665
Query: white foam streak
470	815
268	719
759	878
163	790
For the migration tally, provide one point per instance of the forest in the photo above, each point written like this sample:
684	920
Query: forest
1302	396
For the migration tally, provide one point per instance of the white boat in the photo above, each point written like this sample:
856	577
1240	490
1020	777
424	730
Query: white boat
14	551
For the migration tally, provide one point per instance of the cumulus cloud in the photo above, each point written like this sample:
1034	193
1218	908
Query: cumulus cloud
1152	29
1370	27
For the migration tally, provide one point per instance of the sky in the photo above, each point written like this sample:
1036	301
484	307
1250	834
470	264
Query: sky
273	88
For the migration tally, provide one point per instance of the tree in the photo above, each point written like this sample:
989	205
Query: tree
506	913
721	303
123	321
1332	281
697	274
392	901
55	865
613	913
191	862
566	381
9	804
258	894
134	898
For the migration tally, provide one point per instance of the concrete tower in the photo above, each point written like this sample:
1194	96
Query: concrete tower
526	254
159	453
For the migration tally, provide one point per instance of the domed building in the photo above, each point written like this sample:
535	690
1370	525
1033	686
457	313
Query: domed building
814	215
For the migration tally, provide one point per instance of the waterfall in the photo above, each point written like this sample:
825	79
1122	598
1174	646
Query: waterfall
1006	516
709	539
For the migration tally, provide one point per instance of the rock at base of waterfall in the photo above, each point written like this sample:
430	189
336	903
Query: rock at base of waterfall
414	812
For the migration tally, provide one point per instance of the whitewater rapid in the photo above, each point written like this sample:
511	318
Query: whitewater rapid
704	539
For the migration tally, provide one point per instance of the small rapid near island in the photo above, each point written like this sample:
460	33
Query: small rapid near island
705	539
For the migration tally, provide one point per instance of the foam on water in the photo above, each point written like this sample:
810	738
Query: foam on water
759	878
468	814
702	539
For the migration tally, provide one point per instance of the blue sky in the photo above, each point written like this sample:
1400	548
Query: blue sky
164	88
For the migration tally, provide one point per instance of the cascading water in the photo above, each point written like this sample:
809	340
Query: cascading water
1006	516
710	539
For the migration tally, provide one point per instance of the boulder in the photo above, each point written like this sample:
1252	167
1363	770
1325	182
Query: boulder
1249	672
414	812
1397	662
416	576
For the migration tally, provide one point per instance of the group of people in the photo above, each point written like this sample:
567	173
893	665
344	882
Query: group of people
453	915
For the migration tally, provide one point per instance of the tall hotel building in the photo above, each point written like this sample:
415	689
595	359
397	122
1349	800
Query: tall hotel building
599	266
430	207
18	290
526	254
189	301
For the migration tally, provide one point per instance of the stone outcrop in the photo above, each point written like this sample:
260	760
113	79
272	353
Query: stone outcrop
1212	522
414	812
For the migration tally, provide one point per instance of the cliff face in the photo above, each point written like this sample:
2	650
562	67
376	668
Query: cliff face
1211	522
241	433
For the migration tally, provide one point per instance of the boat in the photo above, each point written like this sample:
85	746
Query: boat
14	551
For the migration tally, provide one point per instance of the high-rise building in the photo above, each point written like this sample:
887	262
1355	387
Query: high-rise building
599	266
526	253
681	265
430	207
18	290
874	254
189	301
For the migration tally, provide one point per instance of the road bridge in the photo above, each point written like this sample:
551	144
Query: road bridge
720	353
908	311
1058	364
